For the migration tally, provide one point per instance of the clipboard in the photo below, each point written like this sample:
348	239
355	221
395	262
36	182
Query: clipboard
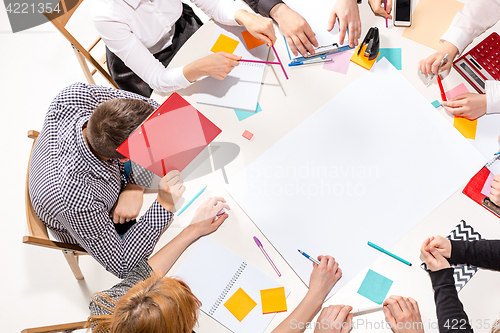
473	191
322	52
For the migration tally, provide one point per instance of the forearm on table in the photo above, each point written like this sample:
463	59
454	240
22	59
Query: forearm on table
450	313
483	253
297	321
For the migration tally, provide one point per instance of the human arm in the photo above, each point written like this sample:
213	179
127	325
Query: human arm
203	223
403	315
495	190
448	307
347	12
379	9
323	278
471	21
129	204
335	319
481	253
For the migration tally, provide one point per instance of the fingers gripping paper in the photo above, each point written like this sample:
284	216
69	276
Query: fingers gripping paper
170	138
344	166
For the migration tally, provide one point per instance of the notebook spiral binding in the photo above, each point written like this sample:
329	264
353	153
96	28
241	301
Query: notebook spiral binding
228	288
492	161
252	64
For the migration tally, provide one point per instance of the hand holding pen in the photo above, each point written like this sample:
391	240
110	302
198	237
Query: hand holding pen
430	65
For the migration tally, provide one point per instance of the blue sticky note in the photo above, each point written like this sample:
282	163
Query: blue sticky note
393	55
436	104
375	287
242	114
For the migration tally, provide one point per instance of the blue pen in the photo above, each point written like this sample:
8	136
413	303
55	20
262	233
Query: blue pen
389	253
298	63
190	202
309	257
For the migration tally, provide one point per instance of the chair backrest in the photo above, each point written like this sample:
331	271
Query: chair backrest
66	9
37	229
56	328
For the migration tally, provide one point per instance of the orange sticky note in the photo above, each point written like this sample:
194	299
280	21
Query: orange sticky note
250	40
361	59
273	300
240	304
224	44
466	127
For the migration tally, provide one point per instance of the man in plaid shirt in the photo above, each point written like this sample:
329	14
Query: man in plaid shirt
77	178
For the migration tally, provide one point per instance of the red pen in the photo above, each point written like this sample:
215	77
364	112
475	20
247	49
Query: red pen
443	94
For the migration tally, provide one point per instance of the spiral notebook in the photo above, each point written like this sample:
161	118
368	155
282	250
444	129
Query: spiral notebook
215	274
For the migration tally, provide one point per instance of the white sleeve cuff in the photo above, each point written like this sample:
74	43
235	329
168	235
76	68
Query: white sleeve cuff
229	11
457	37
492	97
177	78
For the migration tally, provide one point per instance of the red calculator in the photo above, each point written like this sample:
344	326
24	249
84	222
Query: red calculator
481	63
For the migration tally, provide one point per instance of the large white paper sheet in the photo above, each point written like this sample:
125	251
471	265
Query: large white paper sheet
368	166
317	13
241	88
488	129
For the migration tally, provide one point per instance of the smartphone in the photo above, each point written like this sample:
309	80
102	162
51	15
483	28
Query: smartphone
402	13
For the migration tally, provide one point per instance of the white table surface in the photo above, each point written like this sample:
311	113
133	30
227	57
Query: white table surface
285	104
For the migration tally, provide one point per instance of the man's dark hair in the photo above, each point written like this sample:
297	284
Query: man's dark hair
113	121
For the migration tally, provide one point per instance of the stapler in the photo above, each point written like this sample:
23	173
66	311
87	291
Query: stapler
372	42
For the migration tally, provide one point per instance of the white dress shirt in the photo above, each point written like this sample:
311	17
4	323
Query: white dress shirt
136	29
470	22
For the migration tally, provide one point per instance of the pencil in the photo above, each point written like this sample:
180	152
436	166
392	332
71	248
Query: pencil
190	202
389	253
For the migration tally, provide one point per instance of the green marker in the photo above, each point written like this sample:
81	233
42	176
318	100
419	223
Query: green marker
389	253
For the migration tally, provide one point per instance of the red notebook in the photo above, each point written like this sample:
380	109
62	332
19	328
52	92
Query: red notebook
170	138
473	191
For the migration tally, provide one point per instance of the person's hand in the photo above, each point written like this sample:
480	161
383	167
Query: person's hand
171	188
324	276
378	8
217	65
298	34
429	65
443	245
260	27
129	204
469	105
335	319
348	14
405	316
433	258
495	190
204	221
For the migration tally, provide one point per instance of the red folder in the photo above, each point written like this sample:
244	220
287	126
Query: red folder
473	191
170	138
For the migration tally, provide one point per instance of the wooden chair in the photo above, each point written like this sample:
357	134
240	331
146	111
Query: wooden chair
38	231
59	20
63	328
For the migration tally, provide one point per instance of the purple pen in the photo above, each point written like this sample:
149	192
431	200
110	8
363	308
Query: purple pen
259	244
260	62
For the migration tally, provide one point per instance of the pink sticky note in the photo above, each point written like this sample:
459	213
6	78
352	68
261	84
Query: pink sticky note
487	185
458	90
247	135
340	62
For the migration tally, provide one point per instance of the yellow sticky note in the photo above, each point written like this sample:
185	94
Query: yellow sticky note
430	20
224	44
240	304
273	300
466	127
250	40
361	59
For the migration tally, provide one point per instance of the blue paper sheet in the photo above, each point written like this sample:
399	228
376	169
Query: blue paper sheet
436	104
393	55
375	287
242	114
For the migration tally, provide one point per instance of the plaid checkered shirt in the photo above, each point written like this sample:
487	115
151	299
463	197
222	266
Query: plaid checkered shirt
73	191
